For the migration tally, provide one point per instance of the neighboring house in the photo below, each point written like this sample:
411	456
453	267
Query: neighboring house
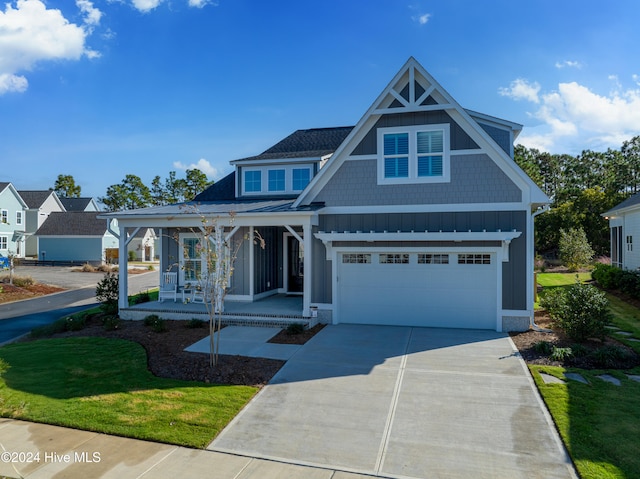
12	221
40	205
417	215
74	236
624	225
142	245
80	204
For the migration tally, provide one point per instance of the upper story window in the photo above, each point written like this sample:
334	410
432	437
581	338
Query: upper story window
276	180
4	216
283	179
18	218
413	154
301	178
253	181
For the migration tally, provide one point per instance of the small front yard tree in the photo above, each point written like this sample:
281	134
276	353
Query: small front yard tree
219	252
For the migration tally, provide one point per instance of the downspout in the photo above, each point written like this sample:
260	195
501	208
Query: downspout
532	322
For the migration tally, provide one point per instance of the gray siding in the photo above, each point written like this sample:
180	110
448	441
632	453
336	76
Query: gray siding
73	249
474	179
500	136
459	138
514	293
268	260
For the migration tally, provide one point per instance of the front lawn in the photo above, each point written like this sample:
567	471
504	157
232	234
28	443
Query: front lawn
599	422
103	385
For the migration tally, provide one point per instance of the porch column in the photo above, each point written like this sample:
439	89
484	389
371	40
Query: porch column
307	262
123	277
252	267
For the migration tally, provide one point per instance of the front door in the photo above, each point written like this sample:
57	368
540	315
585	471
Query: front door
295	265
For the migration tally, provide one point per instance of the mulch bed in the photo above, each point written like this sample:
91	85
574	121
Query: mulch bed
526	341
167	358
14	293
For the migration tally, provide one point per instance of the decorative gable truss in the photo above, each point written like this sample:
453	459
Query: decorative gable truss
421	154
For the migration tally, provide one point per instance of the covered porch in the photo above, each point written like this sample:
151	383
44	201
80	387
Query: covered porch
272	282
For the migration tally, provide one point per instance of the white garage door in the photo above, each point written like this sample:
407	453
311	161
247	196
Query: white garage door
451	290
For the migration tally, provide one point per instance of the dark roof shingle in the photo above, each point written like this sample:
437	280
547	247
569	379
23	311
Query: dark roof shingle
73	223
35	198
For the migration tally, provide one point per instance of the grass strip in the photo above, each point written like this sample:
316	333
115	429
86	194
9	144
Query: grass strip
103	385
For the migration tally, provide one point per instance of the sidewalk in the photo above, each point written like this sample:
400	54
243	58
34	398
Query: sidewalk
69	453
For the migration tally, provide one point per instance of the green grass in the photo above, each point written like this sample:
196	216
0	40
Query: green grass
627	318
103	385
551	280
599	422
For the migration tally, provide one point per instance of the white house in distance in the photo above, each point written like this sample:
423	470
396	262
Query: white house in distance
624	226
40	204
12	221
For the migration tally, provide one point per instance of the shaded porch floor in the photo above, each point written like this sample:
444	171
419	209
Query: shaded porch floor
278	310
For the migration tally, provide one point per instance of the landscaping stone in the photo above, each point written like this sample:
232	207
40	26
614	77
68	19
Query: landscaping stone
576	377
634	340
623	333
634	377
612	327
549	379
610	379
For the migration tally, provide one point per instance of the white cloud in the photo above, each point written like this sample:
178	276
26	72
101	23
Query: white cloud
575	118
568	64
521	89
146	5
202	165
202	3
422	18
31	33
91	14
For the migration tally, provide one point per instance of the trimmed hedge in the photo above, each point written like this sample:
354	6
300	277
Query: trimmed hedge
610	277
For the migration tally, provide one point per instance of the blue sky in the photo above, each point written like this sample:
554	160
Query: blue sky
103	88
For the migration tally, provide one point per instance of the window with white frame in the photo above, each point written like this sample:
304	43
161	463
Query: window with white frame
276	180
356	258
300	178
413	154
629	243
253	181
429	258
192	258
394	258
472	258
4	242
4	216
18	218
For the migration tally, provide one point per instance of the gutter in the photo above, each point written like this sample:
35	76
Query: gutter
532	322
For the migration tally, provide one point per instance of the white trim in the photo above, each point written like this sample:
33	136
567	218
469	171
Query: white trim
412	132
252	267
278	161
419	236
426	208
21	213
264	178
412	108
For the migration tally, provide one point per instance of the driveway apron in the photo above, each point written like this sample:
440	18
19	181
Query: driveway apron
403	402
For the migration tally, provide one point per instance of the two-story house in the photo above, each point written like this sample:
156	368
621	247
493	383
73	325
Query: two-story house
12	221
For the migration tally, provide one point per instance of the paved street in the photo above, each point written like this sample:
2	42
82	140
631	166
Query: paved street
20	317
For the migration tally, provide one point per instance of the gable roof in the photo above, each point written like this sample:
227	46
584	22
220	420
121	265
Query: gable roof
73	223
628	204
413	89
36	198
10	187
311	143
76	204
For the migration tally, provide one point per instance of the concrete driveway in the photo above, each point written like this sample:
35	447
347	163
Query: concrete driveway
403	402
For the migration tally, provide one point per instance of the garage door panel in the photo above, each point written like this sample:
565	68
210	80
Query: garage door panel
438	295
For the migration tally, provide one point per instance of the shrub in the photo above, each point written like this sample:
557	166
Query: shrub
142	297
59	326
580	310
111	323
23	281
195	323
132	255
579	350
574	248
151	268
4	366
561	354
156	323
543	347
88	268
295	328
76	322
107	293
609	356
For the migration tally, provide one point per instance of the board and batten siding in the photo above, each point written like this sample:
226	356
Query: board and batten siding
76	249
514	287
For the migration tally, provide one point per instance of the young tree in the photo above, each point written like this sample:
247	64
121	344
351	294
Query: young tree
575	250
196	182
65	187
128	195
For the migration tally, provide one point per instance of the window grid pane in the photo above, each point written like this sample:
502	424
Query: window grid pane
253	181
474	259
394	258
276	180
430	165
427	258
430	141
301	177
396	144
356	258
396	167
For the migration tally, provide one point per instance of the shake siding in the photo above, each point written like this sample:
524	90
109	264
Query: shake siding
514	292
501	137
474	179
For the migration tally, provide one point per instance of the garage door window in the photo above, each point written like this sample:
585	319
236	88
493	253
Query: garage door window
474	259
425	258
394	258
356	258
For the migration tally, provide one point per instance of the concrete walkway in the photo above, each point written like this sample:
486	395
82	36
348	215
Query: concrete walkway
403	402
